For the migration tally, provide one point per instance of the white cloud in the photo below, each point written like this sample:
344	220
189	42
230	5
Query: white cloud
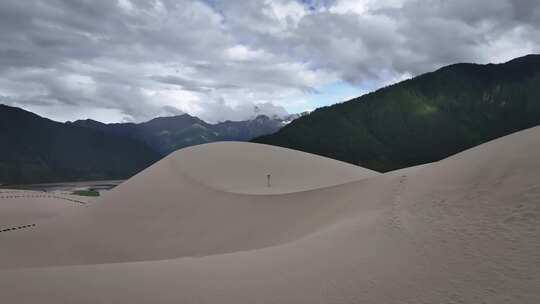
126	5
243	53
135	59
362	6
288	13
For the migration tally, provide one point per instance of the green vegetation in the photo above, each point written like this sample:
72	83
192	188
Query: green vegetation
85	192
423	119
38	150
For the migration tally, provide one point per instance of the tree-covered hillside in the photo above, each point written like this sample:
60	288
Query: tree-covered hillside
423	119
35	149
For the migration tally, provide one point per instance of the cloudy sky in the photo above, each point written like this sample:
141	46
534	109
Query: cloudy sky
131	60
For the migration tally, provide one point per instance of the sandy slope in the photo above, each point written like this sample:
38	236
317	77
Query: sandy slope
170	211
23	207
463	230
243	168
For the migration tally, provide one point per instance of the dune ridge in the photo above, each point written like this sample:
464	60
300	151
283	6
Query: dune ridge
221	166
462	230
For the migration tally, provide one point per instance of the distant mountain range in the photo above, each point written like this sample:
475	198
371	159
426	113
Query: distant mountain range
37	150
423	119
168	134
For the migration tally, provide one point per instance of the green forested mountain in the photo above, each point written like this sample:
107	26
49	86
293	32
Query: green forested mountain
35	149
423	119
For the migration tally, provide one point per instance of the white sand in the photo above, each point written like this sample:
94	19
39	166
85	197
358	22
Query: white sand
188	230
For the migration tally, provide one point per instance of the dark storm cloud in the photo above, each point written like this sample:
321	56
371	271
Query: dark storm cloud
219	59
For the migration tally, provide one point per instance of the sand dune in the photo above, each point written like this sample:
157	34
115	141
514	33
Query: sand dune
243	168
462	230
23	207
171	211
